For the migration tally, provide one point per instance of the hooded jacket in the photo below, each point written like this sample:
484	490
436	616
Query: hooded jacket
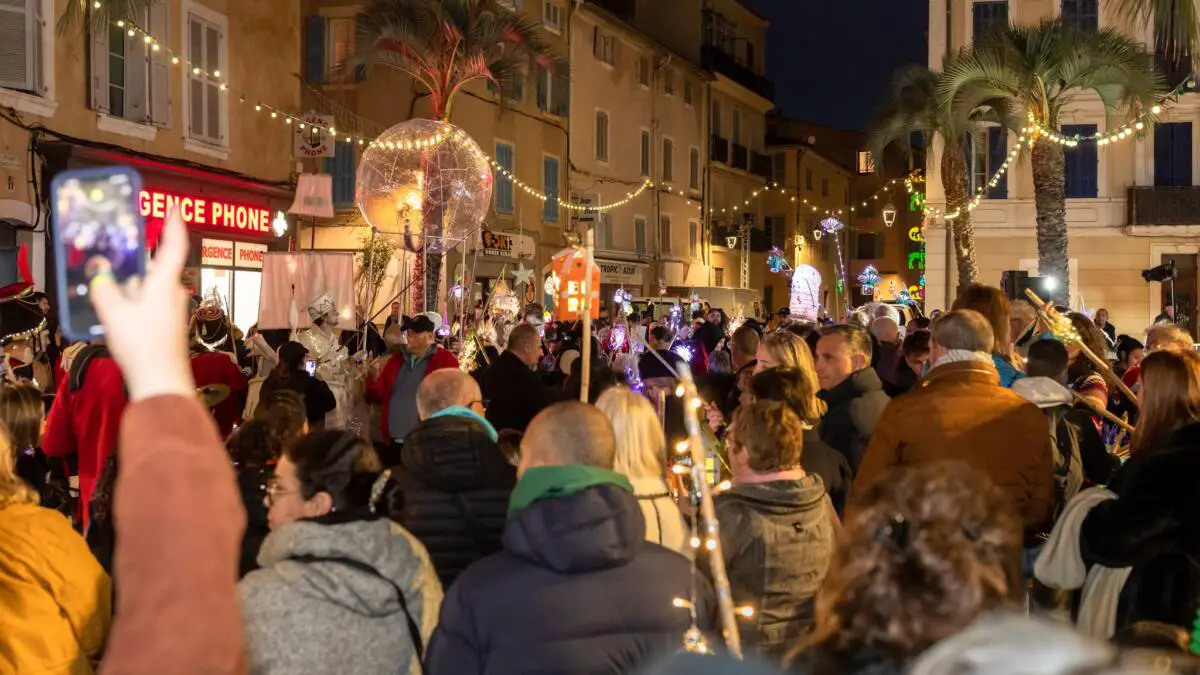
308	611
855	406
577	589
777	539
456	484
515	393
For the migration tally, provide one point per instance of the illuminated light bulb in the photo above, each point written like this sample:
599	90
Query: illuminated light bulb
678	469
1140	126
223	87
154	47
711	544
679	391
195	71
747	612
288	120
257	108
146	39
175	60
274	114
121	23
131	32
680	602
1156	109
216	73
96	4
302	125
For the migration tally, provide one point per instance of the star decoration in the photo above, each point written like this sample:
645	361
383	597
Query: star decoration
521	275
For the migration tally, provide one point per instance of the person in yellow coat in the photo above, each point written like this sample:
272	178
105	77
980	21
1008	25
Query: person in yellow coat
55	599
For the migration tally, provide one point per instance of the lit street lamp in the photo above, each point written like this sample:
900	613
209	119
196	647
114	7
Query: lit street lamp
889	214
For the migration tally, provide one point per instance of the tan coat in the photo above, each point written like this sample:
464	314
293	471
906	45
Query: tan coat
960	412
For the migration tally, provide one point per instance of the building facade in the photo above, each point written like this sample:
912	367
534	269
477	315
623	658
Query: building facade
162	93
1131	205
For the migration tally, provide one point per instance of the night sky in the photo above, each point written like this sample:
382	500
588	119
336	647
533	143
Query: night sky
831	60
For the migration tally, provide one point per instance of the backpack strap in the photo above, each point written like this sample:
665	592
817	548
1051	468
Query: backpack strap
413	629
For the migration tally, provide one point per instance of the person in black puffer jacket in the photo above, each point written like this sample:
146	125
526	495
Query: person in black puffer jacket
576	588
454	481
851	388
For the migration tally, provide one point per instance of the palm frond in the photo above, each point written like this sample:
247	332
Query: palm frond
84	15
1175	24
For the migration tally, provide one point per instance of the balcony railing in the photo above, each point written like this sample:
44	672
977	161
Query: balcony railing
1164	206
715	59
760	165
720	149
740	158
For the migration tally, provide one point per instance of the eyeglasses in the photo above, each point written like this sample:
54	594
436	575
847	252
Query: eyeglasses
275	490
483	403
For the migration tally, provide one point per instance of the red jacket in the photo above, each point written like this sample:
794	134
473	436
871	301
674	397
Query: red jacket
218	368
86	423
379	390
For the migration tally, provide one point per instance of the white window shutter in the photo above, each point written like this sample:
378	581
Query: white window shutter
160	65
137	66
98	66
17	49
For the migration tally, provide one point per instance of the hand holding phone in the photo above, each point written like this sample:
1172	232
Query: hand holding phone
310	366
98	229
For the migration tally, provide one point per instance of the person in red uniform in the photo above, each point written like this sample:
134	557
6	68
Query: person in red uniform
85	419
214	362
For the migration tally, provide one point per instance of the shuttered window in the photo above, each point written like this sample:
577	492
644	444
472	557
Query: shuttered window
206	104
504	185
550	188
342	168
1173	154
20	45
1082	164
129	78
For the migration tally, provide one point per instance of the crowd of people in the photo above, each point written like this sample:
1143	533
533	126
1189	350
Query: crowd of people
956	493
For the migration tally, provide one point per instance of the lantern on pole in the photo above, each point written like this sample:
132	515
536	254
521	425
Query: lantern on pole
569	267
889	214
731	241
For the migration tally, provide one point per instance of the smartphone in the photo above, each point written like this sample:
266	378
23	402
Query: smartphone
311	366
97	227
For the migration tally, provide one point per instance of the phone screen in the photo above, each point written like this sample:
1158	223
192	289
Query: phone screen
311	366
97	228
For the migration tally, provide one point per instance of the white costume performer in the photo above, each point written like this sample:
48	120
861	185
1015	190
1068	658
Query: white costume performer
334	366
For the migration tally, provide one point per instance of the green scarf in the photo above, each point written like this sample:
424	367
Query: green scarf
549	482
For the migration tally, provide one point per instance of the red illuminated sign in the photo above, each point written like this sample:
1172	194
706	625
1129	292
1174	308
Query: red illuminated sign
207	214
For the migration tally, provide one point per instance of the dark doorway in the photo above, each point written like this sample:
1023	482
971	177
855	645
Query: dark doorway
1185	290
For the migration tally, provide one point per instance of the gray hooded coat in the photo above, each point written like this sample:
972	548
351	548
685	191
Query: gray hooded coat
326	616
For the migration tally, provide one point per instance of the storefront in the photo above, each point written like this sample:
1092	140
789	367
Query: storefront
617	275
491	253
232	221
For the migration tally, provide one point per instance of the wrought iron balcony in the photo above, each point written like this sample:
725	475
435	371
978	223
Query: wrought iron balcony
720	149
717	60
741	157
1164	206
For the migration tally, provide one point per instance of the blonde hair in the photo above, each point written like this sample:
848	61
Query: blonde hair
13	490
790	351
1167	336
641	445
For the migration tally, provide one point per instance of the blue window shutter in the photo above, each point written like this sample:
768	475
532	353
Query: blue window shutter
550	188
1081	164
1173	154
988	15
314	49
997	140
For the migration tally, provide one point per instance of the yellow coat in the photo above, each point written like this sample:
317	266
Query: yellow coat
55	599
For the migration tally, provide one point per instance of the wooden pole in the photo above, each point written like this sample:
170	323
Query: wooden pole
585	352
1049	315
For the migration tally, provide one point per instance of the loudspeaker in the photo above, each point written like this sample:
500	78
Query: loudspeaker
1014	283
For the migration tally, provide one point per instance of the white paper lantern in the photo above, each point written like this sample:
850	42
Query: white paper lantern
426	180
806	292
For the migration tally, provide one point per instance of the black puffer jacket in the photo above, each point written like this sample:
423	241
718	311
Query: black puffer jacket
855	406
577	589
1152	526
455	484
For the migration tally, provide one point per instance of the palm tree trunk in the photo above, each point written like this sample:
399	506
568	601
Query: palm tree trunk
1049	197
954	182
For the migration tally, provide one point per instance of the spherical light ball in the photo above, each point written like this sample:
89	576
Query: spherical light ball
806	292
426	178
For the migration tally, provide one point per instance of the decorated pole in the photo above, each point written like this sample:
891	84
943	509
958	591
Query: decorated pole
585	353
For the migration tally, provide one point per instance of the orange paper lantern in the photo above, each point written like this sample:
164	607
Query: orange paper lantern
569	265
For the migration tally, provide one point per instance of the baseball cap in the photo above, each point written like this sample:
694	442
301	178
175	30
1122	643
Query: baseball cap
419	324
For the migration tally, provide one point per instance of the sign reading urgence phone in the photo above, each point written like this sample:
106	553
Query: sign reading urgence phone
203	213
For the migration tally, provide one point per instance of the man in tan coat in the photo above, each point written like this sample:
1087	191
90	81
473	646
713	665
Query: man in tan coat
960	412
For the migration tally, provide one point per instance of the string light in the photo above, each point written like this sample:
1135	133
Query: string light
1027	137
156	45
571	206
1122	132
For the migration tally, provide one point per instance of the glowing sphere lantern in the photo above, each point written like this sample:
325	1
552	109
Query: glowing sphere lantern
574	284
806	292
427	180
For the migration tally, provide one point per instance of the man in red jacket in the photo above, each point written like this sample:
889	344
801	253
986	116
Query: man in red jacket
396	388
86	416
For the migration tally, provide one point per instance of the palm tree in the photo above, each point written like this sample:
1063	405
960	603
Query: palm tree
913	107
1176	25
445	44
1042	69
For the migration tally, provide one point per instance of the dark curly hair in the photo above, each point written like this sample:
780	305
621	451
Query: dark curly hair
345	467
926	550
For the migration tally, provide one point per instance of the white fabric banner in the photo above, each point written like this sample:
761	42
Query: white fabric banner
290	281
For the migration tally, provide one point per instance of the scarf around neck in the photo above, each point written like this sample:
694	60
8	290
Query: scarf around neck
550	482
464	411
963	356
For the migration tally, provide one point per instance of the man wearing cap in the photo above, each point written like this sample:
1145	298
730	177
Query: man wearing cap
396	387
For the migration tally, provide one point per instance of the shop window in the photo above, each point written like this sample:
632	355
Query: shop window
342	168
247	289
129	79
1173	154
1082	163
21	52
504	185
206	102
550	188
